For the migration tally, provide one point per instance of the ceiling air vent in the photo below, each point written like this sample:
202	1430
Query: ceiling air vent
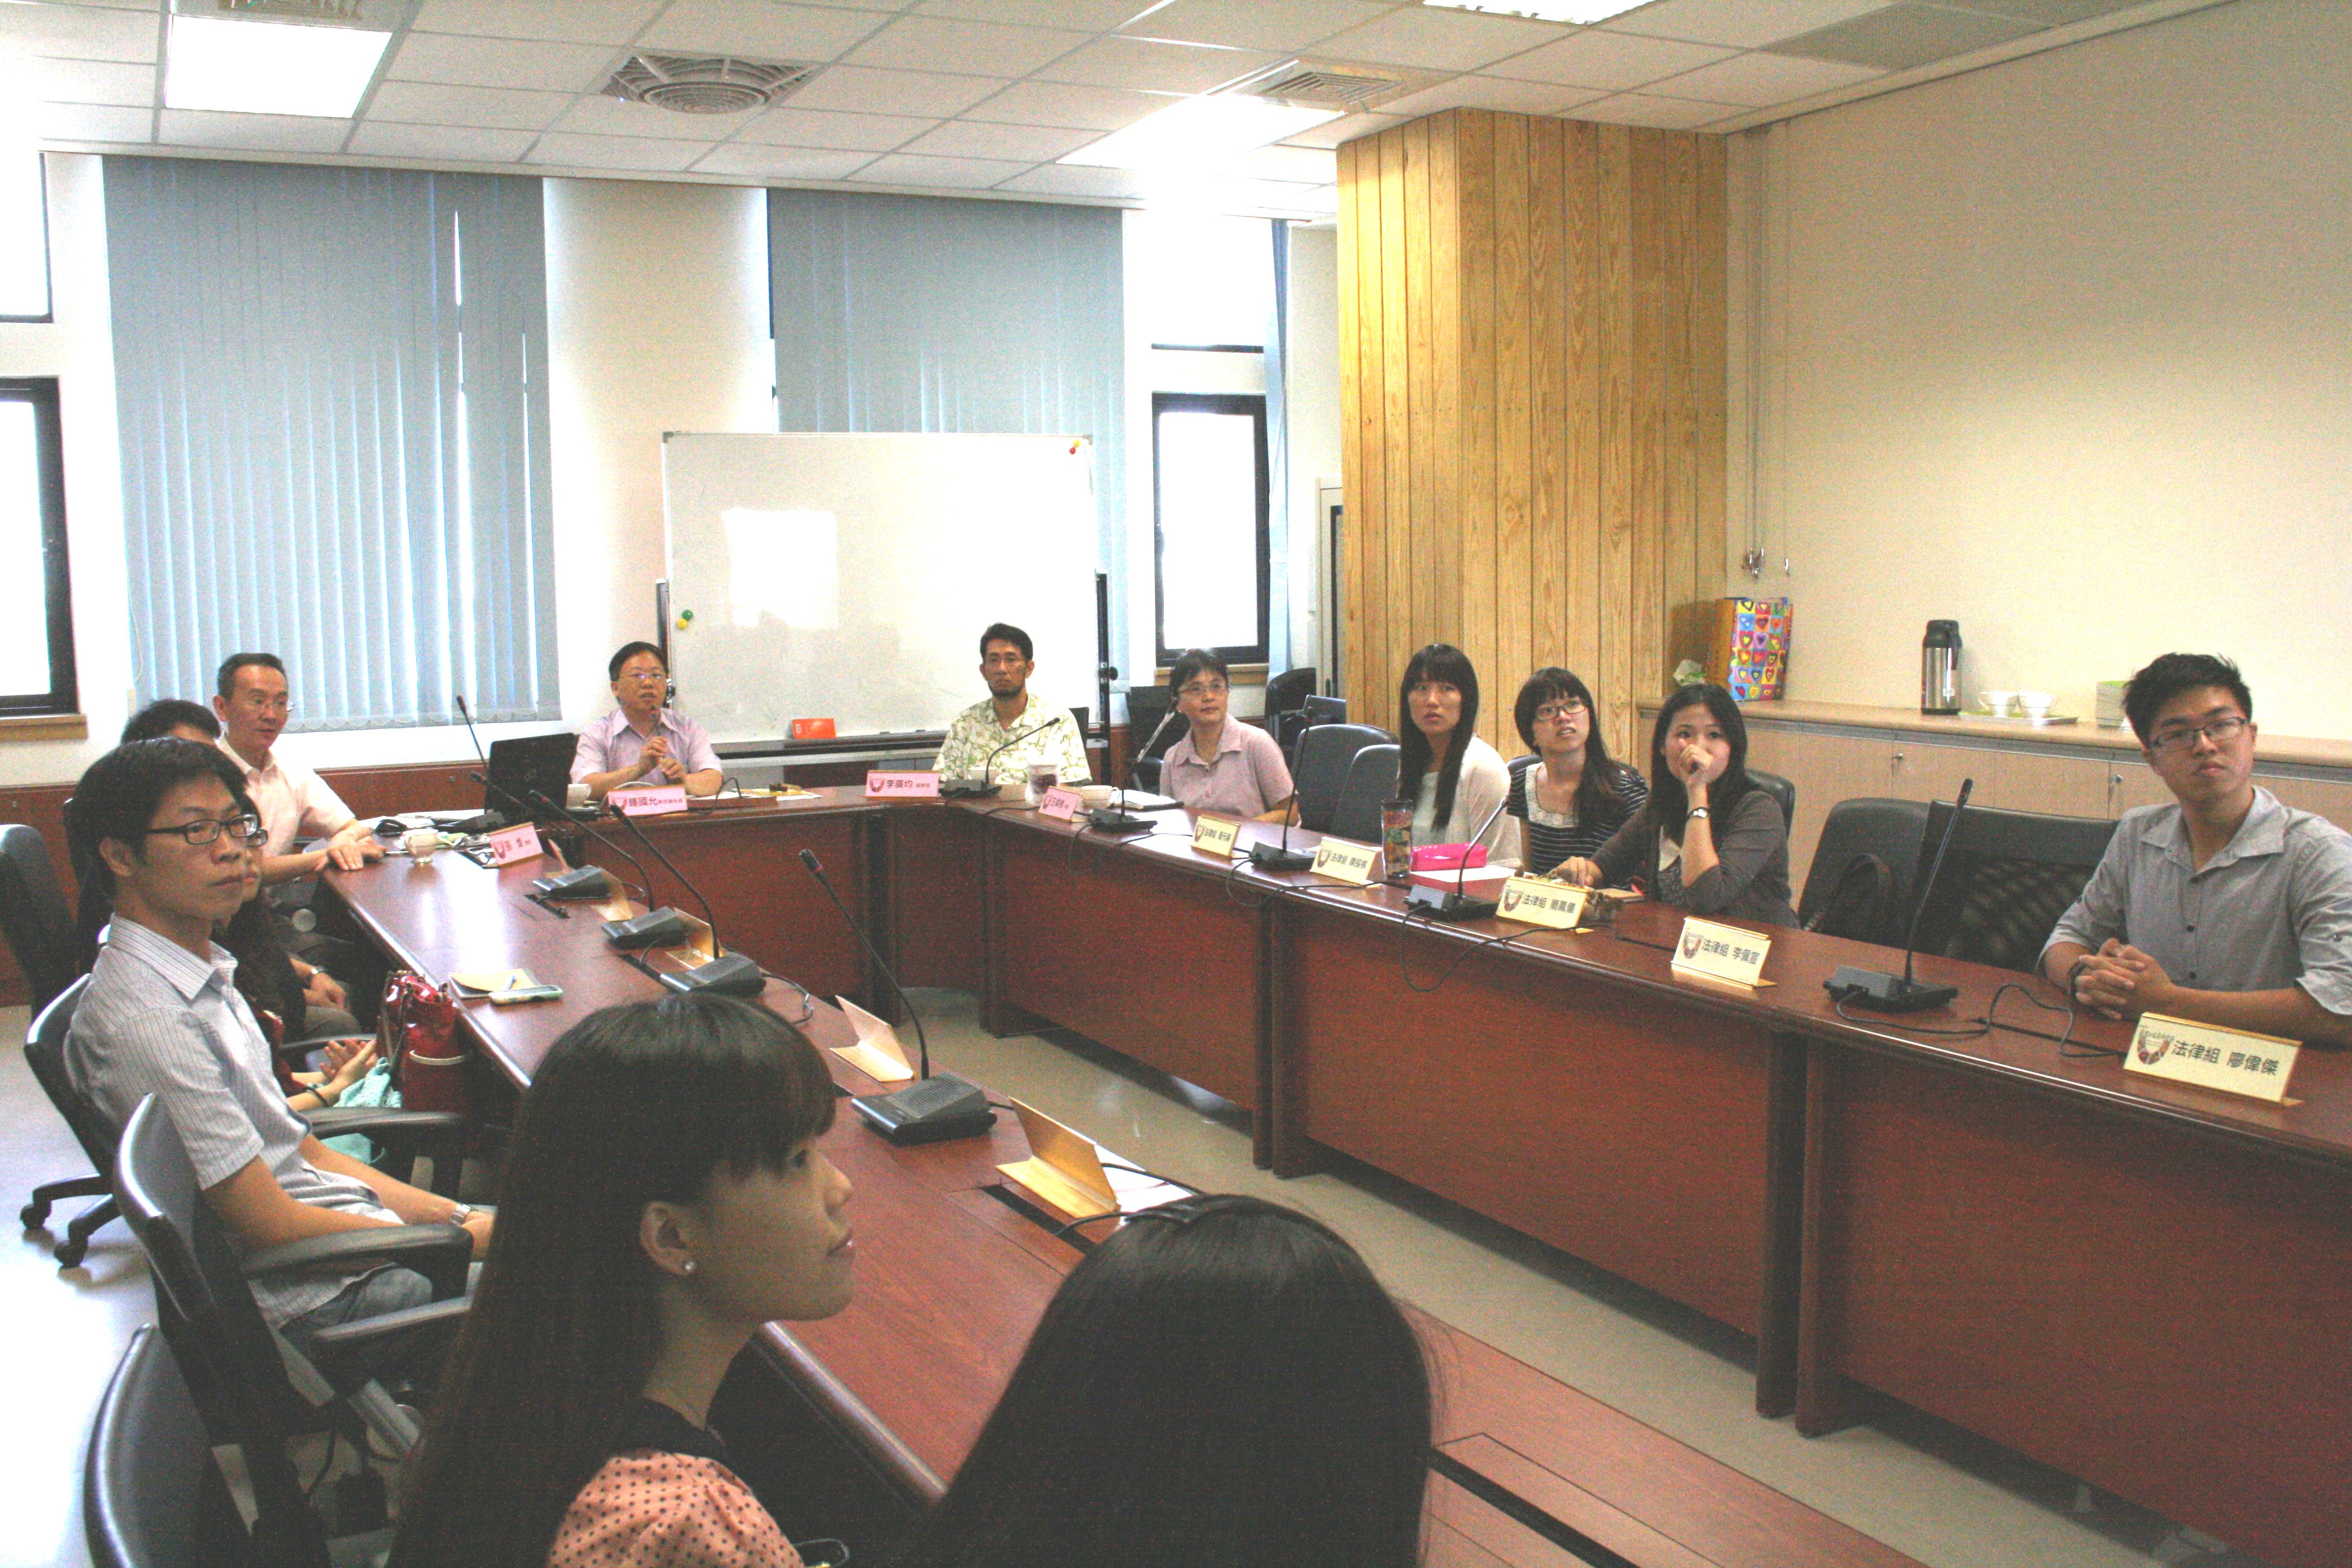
303	10
1311	85
704	85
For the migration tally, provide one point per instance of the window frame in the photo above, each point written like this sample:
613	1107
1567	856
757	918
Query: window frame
49	261
64	695
1253	405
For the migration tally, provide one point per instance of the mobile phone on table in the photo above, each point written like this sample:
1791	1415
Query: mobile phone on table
525	994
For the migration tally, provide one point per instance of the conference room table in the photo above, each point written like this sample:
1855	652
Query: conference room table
2141	1283
957	1261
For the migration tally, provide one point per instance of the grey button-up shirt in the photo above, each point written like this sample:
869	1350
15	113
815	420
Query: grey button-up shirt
2274	909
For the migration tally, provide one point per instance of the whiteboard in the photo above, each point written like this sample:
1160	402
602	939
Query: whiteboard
849	577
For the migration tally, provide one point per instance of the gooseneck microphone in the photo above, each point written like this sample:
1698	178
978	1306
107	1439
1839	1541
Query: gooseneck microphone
1452	903
590	881
985	784
489	819
1883	993
932	1109
727	973
1117	818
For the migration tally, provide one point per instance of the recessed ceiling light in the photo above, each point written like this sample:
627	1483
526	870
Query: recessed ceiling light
1200	134
270	68
1580	11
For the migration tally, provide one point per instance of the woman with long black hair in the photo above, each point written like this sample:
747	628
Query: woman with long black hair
1574	795
1454	779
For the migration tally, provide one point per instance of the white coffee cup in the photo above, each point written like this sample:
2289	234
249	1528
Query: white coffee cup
423	843
2036	704
1996	703
576	794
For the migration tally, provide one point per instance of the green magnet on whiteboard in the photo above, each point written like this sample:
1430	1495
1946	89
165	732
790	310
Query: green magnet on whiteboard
685	619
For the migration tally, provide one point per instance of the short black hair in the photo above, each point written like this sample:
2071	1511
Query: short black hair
159	719
630	650
225	682
1192	661
1002	632
2167	676
118	798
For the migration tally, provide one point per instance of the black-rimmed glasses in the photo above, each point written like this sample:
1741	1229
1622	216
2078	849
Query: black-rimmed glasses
207	829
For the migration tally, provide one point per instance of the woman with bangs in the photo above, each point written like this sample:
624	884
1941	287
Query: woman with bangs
1454	780
1574	796
663	1198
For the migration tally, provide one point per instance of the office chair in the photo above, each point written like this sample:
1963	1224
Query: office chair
1147	708
33	914
1371	782
153	1494
45	1052
1888	831
1285	701
1780	789
242	1376
1325	754
2008	878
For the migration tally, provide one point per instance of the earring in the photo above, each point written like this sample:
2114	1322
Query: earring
686	1268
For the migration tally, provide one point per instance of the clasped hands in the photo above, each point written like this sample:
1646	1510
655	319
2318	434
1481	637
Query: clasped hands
2119	981
658	759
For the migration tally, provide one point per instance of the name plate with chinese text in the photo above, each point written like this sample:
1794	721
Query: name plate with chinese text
896	783
509	845
657	802
1538	902
2212	1056
1345	862
1722	952
1215	836
1061	805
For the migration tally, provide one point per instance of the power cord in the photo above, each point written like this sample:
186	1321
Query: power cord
1405	966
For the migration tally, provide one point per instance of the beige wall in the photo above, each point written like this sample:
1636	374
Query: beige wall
2061	349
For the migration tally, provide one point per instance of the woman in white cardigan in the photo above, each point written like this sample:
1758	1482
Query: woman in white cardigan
1454	780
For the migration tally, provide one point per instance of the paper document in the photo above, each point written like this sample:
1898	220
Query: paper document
482	983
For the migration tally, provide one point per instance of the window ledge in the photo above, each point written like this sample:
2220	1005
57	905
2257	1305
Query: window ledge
43	727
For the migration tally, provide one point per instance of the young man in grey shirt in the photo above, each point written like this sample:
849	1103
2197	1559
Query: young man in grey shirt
2226	907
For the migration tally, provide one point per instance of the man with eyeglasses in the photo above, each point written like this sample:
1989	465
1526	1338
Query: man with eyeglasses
643	740
157	822
1007	735
254	702
2226	907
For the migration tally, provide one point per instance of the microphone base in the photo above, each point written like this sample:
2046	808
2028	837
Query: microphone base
487	822
1445	904
584	882
939	1108
729	974
1886	993
966	789
1104	819
1274	857
656	928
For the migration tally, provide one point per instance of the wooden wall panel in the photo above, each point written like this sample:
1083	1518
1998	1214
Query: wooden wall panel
1532	327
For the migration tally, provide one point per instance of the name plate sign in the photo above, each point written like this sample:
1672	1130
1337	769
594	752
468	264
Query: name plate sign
2212	1056
1541	902
1345	862
1216	835
1722	952
894	784
657	802
509	845
1061	805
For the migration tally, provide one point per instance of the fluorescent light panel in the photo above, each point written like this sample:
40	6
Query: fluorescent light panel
270	68
1579	11
1200	134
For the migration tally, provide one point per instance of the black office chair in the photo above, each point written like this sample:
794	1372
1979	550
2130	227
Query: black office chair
1148	708
1371	782
241	1374
2008	878
1780	789
153	1494
33	914
1845	892
1286	702
45	1052
1325	754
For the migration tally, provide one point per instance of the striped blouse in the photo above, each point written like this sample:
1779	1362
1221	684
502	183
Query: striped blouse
1549	838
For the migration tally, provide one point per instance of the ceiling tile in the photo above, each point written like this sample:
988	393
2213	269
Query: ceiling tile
869	91
1609	61
1066	103
629	153
1438	39
1024	143
1307	165
966	174
1492	92
562	21
1347	127
502	62
92	123
1087	16
944	44
86	81
79	32
780	163
256	132
1760	80
791	127
454	144
2053	12
1906	35
1235	195
759	28
1147	65
1077	180
1738	24
596	115
432	104
1659	113
1285	28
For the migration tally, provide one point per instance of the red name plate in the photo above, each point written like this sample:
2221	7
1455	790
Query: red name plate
648	802
1061	805
897	785
510	844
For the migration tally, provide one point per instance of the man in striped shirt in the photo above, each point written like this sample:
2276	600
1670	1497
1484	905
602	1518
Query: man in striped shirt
157	821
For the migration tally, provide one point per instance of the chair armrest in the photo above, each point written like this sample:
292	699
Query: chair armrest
439	1252
341	1353
389	1122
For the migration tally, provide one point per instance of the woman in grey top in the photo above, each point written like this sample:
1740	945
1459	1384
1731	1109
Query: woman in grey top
1707	840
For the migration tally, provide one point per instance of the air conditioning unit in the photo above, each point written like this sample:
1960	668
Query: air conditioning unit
1320	84
705	84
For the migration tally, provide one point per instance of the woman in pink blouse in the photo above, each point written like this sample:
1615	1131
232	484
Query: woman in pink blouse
1223	765
663	1198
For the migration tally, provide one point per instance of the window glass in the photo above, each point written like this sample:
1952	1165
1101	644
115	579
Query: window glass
36	672
1210	452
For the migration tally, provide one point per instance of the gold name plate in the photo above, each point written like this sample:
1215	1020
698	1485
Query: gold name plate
1345	862
2212	1056
1538	902
1215	836
1722	952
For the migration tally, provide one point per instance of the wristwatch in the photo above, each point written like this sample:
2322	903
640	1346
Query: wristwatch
458	1215
1696	812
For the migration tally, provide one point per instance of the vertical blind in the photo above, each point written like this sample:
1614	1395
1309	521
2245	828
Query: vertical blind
333	386
940	314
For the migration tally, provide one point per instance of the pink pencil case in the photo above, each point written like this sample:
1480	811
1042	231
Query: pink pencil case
1448	856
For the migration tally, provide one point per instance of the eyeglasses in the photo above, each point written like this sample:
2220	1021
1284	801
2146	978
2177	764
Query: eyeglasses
2221	731
645	677
205	829
258	703
1558	712
1203	688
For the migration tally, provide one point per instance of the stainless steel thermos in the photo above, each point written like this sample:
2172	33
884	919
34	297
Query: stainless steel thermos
1939	668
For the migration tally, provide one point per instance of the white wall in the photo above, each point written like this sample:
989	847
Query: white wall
2063	349
1311	390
